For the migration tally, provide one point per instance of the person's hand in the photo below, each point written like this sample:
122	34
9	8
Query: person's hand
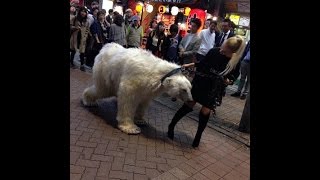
186	65
228	82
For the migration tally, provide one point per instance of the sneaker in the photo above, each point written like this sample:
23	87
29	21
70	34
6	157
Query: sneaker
236	94
82	68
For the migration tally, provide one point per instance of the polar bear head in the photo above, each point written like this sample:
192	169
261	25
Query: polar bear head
178	86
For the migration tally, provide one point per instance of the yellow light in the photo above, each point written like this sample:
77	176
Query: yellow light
187	11
138	8
162	9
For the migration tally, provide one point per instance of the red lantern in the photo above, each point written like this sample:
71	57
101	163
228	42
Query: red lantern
197	13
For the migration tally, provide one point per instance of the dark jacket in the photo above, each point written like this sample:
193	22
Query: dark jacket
217	40
167	49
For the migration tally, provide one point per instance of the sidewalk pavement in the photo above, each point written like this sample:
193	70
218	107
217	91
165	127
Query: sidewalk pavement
99	151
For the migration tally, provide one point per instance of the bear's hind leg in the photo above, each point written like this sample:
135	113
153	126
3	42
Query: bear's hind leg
139	116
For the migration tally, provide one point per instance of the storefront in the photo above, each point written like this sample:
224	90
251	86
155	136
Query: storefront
179	13
242	24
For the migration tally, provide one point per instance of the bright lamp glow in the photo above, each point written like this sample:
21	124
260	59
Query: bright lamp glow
139	7
149	8
174	10
214	18
119	9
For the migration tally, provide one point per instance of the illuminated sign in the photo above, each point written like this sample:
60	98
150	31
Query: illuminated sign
234	18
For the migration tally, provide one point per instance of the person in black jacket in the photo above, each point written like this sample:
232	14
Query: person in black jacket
225	34
171	44
212	73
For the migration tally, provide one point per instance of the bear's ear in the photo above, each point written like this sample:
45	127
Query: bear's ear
167	81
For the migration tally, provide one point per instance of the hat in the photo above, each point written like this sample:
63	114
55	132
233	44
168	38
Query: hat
134	18
128	10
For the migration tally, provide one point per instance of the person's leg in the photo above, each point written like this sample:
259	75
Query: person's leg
247	86
82	61
243	72
204	115
185	109
73	52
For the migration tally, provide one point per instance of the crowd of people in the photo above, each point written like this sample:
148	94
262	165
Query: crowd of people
90	29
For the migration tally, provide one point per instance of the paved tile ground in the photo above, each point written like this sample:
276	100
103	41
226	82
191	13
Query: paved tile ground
100	151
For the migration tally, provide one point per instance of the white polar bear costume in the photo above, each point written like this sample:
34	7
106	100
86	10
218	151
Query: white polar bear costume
135	77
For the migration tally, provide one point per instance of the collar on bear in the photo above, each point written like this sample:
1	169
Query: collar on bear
175	71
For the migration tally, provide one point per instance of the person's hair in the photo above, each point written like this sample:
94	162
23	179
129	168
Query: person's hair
237	45
197	22
100	12
118	20
79	17
75	12
211	21
110	11
228	21
174	28
93	9
104	11
116	13
94	3
157	30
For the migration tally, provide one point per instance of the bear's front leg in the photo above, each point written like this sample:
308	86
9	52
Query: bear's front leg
127	105
90	96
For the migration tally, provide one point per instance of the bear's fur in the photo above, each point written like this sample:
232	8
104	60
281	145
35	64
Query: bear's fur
134	76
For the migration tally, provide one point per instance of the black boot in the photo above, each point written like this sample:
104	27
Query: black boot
82	62
73	52
185	109
203	120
